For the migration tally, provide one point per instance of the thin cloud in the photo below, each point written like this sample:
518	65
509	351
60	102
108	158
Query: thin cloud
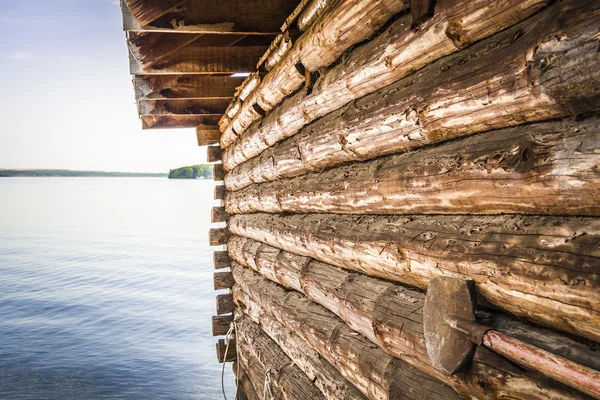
21	55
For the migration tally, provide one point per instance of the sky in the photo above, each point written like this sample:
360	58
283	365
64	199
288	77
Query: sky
67	100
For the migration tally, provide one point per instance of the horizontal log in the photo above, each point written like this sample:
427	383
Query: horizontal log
218	214
221	324
291	380
500	76
547	168
245	389
221	259
545	269
257	372
225	304
391	316
375	373
163	87
222	280
220	192
218	172
218	236
311	12
342	25
392	55
324	375
213	154
177	121
224	353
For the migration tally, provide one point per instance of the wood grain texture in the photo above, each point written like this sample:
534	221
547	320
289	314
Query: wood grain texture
519	75
207	134
324	375
245	389
545	269
218	236
392	55
256	371
222	280
218	214
218	172
545	169
162	87
221	324
224	353
391	316
221	259
224	304
375	373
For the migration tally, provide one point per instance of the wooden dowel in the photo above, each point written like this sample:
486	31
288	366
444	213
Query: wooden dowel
225	304
218	214
214	154
221	260
223	280
218	236
225	354
220	324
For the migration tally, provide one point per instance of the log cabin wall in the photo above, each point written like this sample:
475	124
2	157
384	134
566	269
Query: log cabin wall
373	147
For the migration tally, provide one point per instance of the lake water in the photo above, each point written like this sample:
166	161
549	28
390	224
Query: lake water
106	289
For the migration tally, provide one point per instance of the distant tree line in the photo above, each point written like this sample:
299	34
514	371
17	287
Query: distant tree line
192	172
4	173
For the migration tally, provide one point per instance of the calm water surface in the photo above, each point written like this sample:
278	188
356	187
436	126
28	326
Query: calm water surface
106	289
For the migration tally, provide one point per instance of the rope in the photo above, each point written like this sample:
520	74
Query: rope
267	388
231	333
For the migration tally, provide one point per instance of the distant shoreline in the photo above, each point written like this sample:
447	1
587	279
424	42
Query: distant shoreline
66	173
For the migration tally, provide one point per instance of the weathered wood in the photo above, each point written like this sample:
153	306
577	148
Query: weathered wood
225	304
311	12
220	192
324	375
177	121
225	354
223	280
375	373
343	24
182	107
221	324
291	380
390	315
213	154
547	168
163	87
218	172
221	259
389	57
545	269
218	236
245	389
218	214
500	76
257	372
421	10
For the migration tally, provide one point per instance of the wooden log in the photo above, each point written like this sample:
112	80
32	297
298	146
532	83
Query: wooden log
389	57
225	354
218	172
547	168
223	280
220	192
343	24
311	12
213	154
327	379
207	134
218	214
220	324
291	380
257	372
218	236
225	304
245	389
221	260
391	315
545	269
509	90
375	373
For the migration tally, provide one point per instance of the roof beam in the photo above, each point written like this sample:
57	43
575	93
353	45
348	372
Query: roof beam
182	107
163	87
178	121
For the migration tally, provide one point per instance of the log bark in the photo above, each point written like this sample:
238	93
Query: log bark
290	379
218	214
225	354
218	236
214	154
502	81
220	192
545	269
221	259
245	389
223	280
341	26
390	315
224	304
548	168
324	375
220	324
375	373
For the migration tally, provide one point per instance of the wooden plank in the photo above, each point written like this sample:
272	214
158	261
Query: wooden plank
342	25
177	121
376	374
225	304
221	260
220	192
218	236
497	75
218	172
392	55
222	280
224	353
207	134
541	268
164	87
218	214
182	107
390	315
213	154
543	169
220	324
